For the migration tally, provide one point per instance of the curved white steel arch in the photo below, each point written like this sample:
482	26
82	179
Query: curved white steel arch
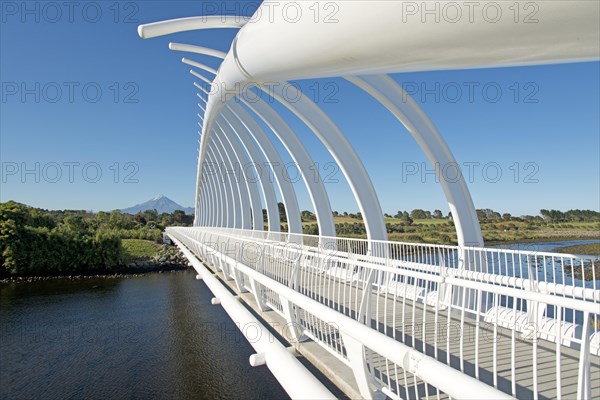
209	212
202	180
273	160
302	159
217	198
243	200
190	48
168	27
386	91
243	161
238	198
226	186
373	30
346	158
253	146
245	138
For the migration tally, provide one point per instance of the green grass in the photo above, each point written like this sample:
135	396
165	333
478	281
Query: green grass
137	248
442	231
592	249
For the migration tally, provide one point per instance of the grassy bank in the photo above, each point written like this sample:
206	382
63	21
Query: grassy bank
134	249
592	249
443	231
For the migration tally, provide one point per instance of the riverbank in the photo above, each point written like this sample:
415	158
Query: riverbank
547	239
590	249
119	273
164	258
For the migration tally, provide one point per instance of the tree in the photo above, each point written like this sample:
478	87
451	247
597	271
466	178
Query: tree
307	216
179	215
438	214
487	214
282	213
418	214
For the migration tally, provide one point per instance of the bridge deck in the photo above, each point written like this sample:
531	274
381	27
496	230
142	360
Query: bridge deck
416	326
440	336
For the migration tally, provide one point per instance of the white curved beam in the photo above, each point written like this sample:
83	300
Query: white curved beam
287	191
220	198
198	65
256	140
204	207
207	206
345	156
385	90
244	161
376	42
245	138
214	195
302	159
392	37
304	162
170	26
190	48
245	201
228	186
240	198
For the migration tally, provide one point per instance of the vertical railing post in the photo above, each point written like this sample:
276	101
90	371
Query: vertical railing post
584	388
290	311
355	352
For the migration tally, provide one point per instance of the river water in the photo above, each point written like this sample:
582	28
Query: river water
155	336
549	246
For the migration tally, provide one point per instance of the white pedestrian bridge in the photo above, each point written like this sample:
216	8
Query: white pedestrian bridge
412	323
377	318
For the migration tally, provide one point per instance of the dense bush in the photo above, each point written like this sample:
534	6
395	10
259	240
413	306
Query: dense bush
41	242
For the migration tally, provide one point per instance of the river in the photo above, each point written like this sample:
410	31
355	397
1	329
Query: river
155	336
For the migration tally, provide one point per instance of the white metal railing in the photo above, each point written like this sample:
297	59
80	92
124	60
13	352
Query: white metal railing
523	322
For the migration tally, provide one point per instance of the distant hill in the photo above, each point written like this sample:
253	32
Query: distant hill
161	203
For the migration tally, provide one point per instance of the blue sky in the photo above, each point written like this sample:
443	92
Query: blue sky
541	131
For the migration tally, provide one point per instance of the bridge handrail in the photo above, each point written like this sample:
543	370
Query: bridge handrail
424	271
565	314
251	233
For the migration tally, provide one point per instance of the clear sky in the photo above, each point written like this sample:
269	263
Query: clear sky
83	95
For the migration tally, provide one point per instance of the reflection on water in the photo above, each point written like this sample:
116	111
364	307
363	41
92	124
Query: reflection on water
151	337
